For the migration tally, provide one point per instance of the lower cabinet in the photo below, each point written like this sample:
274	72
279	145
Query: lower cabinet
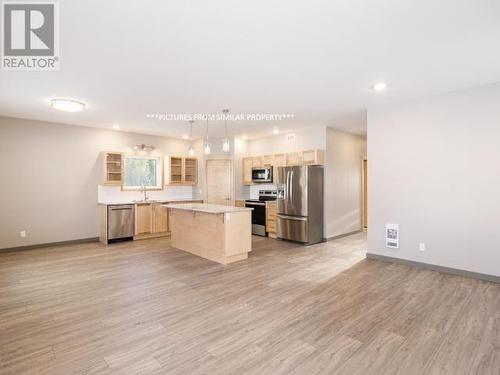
151	219
160	218
143	219
271	218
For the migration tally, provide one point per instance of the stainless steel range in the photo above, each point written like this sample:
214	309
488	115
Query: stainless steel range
259	210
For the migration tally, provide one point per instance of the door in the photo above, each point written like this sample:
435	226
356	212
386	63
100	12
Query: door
365	193
292	191
219	186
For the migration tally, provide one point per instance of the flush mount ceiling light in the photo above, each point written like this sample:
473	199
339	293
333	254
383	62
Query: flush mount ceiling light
143	147
191	148
380	86
207	144
67	105
225	141
276	131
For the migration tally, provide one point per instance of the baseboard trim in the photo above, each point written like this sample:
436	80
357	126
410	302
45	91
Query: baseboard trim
433	267
342	235
50	244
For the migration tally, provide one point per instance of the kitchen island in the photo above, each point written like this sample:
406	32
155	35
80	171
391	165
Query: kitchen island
222	234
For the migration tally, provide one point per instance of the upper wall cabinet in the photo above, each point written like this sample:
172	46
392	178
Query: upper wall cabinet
112	168
309	157
313	157
181	170
247	170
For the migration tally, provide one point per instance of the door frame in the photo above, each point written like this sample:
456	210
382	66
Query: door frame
364	163
231	177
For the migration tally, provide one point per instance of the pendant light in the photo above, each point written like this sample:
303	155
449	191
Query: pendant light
225	142
207	145
191	148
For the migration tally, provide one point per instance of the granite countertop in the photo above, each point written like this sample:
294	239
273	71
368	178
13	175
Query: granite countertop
207	208
109	203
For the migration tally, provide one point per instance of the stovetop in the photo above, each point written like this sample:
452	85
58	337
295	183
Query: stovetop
265	195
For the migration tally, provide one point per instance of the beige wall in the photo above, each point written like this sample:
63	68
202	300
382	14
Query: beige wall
343	173
50	174
433	169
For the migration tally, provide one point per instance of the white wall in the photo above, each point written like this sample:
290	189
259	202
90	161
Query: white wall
49	178
434	169
342	175
343	182
305	139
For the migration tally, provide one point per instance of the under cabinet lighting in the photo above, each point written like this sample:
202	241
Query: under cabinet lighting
67	105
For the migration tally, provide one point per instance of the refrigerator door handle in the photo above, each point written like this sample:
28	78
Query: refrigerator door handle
286	217
291	185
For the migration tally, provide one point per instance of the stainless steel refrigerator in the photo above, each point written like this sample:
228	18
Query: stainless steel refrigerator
300	204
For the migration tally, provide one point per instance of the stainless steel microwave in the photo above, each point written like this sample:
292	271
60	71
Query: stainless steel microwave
262	175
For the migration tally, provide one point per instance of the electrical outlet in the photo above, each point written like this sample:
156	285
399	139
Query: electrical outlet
22	234
421	246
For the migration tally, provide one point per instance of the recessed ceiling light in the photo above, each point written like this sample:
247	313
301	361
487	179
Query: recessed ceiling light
67	105
116	127
185	136
244	137
276	131
380	86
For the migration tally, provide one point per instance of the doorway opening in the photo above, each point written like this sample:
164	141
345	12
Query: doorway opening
365	193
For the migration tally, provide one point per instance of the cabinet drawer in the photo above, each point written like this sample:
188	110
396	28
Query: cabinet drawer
271	226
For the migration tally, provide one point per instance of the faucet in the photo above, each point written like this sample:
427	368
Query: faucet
145	190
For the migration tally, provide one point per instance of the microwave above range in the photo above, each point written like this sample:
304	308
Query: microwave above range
262	175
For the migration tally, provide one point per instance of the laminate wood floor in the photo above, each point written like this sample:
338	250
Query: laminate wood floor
144	307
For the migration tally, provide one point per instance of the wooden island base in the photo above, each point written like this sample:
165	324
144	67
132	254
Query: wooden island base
222	237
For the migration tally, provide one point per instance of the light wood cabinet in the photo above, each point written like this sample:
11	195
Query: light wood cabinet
181	170
143	219
247	170
239	203
313	157
279	160
268	160
190	176
308	157
113	168
257	162
160	218
294	158
271	218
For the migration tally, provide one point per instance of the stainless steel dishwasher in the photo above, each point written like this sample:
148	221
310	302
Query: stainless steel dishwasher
120	222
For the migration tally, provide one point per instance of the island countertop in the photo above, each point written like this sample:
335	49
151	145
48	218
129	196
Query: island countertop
207	208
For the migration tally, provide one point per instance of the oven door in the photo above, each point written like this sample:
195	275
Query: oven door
258	217
262	175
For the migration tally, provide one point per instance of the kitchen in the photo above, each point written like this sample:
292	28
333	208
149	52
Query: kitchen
283	191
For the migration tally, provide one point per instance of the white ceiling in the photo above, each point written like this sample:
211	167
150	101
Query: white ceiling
315	59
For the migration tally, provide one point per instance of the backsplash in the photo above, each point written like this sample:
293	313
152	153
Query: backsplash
115	193
254	189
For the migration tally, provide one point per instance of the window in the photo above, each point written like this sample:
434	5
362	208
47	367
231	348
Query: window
142	171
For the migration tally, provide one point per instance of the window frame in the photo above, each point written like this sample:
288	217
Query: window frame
159	172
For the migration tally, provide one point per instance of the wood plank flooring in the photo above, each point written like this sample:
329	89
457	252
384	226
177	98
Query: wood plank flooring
146	308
